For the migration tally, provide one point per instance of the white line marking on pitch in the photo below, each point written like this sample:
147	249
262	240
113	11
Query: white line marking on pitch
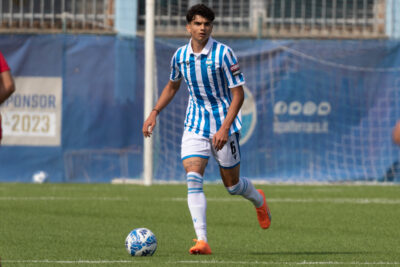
72	262
288	263
204	262
65	198
270	200
310	200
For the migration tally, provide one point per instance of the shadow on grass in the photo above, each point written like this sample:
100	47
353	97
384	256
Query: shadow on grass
311	253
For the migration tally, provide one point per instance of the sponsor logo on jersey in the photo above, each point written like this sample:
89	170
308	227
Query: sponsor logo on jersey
235	69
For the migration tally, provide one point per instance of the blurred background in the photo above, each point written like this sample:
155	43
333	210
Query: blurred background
322	88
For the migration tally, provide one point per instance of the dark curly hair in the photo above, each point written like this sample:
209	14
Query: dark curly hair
201	10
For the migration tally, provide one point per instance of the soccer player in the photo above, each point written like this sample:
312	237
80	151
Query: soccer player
396	133
213	121
7	86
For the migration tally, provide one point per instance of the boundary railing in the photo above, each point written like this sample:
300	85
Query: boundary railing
276	18
56	15
350	19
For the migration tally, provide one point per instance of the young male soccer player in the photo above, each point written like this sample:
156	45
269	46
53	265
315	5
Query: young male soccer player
212	74
7	86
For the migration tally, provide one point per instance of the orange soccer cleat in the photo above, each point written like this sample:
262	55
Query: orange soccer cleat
263	213
201	247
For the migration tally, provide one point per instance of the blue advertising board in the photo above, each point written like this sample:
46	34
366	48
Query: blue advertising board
314	111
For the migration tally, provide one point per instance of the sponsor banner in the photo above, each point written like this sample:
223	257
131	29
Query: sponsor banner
291	117
313	111
32	115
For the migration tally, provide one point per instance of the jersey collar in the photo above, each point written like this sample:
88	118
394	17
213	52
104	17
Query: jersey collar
205	50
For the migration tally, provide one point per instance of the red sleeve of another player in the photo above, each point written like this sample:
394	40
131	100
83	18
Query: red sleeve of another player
3	64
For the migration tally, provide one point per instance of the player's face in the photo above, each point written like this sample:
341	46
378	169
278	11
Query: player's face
200	28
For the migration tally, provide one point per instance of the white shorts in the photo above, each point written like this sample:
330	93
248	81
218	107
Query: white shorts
194	145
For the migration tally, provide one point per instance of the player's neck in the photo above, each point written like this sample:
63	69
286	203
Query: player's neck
197	46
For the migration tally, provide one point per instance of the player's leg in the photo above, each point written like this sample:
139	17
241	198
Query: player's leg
197	203
240	185
196	198
229	162
195	158
228	159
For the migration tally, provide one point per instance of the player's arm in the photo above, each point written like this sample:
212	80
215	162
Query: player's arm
7	86
396	133
221	137
167	95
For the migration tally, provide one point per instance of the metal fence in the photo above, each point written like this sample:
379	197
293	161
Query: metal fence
334	18
234	18
57	15
277	18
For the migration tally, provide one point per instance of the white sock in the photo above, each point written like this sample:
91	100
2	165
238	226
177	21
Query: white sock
197	204
246	189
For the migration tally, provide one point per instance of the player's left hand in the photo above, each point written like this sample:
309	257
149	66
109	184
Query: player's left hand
220	138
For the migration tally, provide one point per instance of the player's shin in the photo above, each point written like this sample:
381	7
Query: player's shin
197	204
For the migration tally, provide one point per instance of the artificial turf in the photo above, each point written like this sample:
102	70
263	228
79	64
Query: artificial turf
86	225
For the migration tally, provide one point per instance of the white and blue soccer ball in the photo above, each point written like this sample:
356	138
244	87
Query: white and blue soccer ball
40	177
141	242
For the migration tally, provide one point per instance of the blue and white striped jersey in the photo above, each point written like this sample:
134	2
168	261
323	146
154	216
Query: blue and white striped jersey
208	75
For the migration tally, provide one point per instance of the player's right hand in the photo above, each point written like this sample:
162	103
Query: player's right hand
149	125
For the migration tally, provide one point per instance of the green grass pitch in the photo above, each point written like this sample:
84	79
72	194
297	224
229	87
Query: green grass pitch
86	225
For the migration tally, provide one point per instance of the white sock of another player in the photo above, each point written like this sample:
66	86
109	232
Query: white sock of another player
246	189
197	204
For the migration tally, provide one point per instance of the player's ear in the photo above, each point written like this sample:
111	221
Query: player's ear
188	28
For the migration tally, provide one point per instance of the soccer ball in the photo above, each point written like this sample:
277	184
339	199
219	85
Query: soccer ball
40	177
141	242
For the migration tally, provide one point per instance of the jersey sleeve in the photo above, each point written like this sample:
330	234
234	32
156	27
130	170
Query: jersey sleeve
176	74
3	64
231	69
